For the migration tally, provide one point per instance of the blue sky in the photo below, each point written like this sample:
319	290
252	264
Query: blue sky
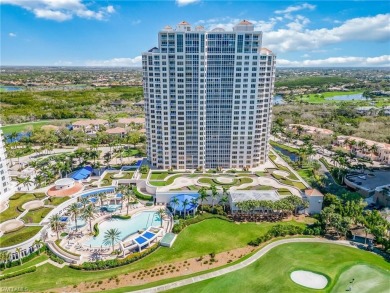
115	33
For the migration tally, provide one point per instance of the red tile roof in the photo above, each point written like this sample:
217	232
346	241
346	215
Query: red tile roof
77	187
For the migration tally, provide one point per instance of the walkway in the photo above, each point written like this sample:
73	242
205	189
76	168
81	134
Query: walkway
240	265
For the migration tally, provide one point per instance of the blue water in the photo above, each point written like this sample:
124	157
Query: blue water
80	223
141	221
293	157
278	100
355	97
7	88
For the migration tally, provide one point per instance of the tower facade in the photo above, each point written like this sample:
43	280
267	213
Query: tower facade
208	97
6	187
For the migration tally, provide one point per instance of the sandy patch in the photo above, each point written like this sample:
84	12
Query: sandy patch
309	279
164	271
11	225
32	205
225	179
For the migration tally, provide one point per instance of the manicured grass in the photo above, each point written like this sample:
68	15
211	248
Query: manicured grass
35	125
17	200
321	97
236	181
271	273
158	175
129	153
108	178
144	176
55	201
19	236
36	216
212	235
30	263
167	182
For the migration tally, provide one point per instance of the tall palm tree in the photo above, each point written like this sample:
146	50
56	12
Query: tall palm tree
101	197
161	212
111	237
224	201
74	211
174	203
84	201
88	215
7	257
194	203
55	224
186	202
202	196
19	252
214	193
38	243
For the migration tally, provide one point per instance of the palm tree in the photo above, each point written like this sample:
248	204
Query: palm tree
74	211
224	201
161	212
174	203
111	237
38	243
128	196
186	202
84	201
38	180
194	203
101	196
6	257
88	215
55	225
214	193
19	252
202	196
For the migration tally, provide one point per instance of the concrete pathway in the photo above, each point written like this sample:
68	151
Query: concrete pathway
240	265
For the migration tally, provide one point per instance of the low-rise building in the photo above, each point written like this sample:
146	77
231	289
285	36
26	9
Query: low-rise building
311	129
315	199
126	122
90	126
119	131
382	196
367	111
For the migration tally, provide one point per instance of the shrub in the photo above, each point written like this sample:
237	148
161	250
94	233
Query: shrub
18	273
140	195
54	257
24	259
276	231
96	229
184	223
122	217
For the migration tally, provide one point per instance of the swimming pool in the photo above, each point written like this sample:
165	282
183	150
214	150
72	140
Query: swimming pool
80	223
128	227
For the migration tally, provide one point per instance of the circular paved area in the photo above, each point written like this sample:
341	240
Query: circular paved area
119	175
11	225
281	173
225	179
31	205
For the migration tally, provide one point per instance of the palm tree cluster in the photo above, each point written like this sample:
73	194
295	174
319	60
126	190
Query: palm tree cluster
267	210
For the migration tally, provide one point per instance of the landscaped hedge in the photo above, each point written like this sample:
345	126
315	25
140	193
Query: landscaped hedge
24	259
284	230
96	230
184	223
54	257
18	273
140	195
113	263
122	217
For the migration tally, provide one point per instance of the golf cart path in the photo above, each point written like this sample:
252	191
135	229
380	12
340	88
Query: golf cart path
240	265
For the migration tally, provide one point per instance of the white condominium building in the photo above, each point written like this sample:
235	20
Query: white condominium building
6	188
208	97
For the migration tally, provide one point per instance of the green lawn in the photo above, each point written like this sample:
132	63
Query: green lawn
321	97
167	182
55	201
36	216
30	263
271	273
35	125
17	200
236	181
108	178
19	236
158	175
211	235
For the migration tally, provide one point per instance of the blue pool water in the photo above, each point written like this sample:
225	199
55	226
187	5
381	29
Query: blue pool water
128	227
80	223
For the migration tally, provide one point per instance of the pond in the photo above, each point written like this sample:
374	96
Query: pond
293	157
278	100
354	97
6	88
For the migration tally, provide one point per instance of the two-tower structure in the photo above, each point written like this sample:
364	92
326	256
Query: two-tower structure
208	97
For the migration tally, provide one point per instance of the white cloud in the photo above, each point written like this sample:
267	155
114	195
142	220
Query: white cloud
186	2
287	12
136	22
383	60
228	23
12	35
116	62
61	10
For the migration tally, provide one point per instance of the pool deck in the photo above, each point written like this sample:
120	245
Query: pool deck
75	243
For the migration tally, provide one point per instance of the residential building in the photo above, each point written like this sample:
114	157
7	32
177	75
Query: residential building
382	196
90	126
315	199
208	97
6	186
311	129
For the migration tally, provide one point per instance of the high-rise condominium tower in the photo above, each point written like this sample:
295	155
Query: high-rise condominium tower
208	97
6	187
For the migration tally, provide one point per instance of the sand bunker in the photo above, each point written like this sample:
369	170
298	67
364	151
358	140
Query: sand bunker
225	179
309	279
11	225
32	205
281	173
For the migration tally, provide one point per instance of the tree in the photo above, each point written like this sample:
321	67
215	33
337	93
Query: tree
174	203
202	196
214	193
128	196
224	201
194	203
161	212
55	224
38	243
84	201
111	237
74	211
88	215
19	252
186	202
133	138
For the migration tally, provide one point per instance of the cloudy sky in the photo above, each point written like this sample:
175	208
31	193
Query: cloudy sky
115	33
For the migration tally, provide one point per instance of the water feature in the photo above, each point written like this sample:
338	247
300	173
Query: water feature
6	88
278	100
354	97
128	227
293	157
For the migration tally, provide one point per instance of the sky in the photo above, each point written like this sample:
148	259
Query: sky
115	33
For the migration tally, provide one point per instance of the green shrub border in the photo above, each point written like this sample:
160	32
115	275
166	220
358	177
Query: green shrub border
18	273
121	217
96	229
140	195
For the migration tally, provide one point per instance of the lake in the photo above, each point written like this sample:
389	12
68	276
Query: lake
6	88
293	157
354	97
278	100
